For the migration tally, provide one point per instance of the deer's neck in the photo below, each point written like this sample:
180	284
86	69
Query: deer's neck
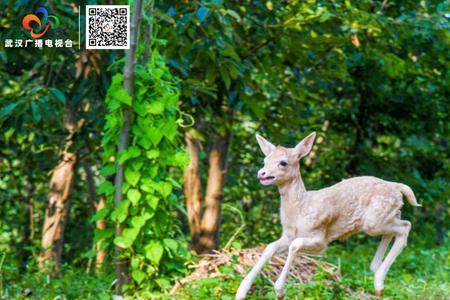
292	191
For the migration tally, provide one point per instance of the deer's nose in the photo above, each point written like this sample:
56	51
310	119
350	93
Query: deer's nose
261	173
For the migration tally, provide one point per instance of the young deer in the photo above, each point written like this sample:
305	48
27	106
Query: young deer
313	219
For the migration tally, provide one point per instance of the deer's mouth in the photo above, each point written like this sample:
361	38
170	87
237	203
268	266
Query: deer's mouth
266	180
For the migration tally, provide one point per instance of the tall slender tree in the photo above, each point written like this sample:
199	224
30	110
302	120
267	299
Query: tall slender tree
121	264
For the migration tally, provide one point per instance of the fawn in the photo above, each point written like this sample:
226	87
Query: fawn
313	219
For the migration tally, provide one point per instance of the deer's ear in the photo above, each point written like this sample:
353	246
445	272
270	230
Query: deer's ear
265	145
302	149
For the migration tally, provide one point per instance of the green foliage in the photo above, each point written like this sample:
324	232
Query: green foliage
150	237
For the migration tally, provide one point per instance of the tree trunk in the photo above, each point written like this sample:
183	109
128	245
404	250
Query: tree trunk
100	224
121	264
23	252
193	188
57	210
60	190
209	239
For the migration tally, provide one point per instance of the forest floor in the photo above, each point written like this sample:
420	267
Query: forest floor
418	273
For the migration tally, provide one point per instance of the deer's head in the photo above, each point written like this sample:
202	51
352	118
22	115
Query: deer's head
281	164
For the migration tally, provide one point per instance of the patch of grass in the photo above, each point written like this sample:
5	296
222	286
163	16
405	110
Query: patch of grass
416	274
73	284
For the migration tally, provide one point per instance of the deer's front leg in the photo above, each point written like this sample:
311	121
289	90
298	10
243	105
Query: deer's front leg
316	244
271	249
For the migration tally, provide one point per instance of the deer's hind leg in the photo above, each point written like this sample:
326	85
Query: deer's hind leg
378	258
400	229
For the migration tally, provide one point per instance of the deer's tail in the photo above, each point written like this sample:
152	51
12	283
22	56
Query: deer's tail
408	193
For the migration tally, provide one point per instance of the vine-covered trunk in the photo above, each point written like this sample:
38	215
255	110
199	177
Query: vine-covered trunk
193	188
57	209
122	264
101	223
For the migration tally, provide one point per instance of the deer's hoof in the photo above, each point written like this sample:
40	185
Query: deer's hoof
280	293
378	293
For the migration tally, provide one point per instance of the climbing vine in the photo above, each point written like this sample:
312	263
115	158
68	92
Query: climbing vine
151	236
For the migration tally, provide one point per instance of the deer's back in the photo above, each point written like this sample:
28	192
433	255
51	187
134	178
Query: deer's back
346	207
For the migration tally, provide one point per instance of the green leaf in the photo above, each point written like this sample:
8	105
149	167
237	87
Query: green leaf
36	112
103	234
156	108
142	73
144	142
108	170
164	188
117	79
158	73
120	213
133	195
225	76
139	221
137	164
106	188
9	133
154	153
131	233
130	152
122	95
125	187
101	214
58	95
165	283
154	251
8	109
171	244
152	201
123	242
155	134
170	130
132	176
233	14
181	159
90	254
138	275
127	238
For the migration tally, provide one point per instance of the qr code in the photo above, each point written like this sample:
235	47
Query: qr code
107	27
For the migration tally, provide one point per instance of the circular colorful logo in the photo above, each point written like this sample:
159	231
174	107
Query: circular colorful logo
42	22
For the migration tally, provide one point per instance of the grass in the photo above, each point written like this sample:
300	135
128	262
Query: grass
420	272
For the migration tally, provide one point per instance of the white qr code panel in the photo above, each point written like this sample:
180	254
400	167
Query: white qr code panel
107	27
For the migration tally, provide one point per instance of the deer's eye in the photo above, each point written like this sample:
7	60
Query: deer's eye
283	163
